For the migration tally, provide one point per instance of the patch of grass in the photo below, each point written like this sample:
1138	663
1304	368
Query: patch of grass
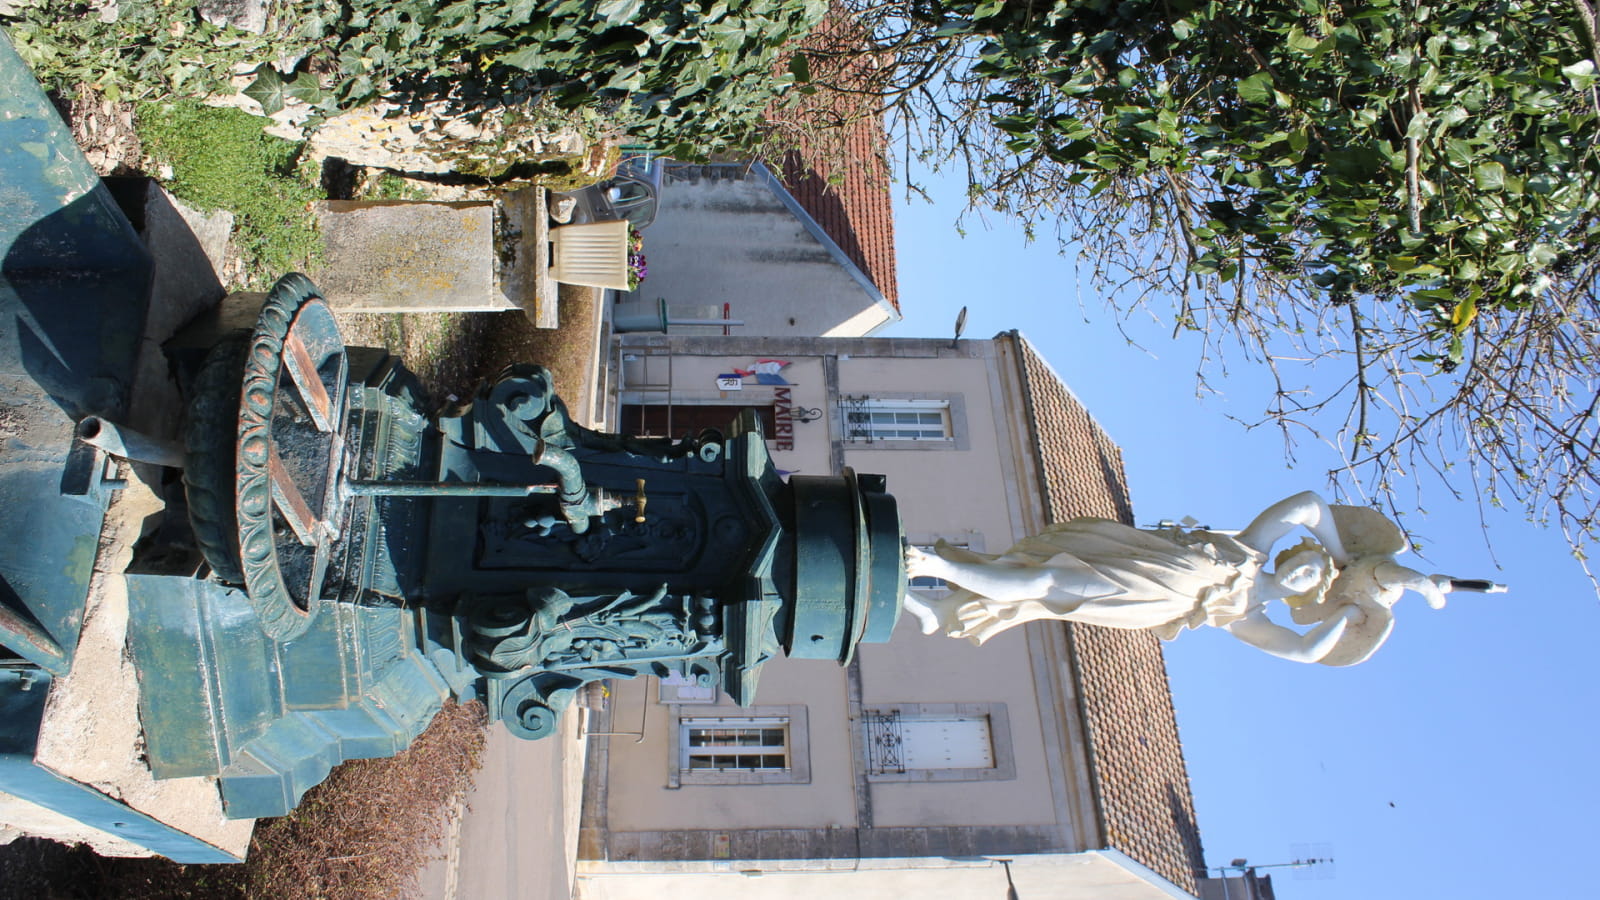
221	159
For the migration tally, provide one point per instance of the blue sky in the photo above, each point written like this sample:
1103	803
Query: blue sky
1456	762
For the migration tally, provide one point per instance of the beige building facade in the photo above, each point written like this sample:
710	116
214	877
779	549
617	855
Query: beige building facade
925	762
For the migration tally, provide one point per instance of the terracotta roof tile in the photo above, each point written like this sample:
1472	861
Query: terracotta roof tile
845	184
1136	756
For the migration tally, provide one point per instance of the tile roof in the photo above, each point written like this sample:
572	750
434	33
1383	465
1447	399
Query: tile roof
845	184
1136	757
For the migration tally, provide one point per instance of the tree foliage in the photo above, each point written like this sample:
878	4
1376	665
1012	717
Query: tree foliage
692	78
1408	186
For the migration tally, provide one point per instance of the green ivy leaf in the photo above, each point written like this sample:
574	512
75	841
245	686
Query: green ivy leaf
617	12
528	59
1490	176
268	89
1257	88
1581	74
273	91
988	9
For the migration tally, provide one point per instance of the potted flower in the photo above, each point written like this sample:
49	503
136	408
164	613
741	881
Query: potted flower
636	262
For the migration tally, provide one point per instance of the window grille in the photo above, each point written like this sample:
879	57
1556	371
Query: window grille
897	743
884	743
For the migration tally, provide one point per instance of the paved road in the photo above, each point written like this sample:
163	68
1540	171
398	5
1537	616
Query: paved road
518	835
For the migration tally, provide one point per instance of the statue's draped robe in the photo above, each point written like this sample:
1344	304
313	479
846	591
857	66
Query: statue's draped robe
1118	576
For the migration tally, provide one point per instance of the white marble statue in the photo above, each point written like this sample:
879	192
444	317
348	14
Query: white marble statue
1343	584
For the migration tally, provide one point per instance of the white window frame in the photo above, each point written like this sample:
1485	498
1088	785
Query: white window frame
734	744
871	432
795	750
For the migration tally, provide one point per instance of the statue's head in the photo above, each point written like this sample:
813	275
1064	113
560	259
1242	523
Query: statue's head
1304	571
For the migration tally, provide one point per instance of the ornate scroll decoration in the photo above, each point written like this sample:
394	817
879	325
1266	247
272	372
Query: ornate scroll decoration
538	648
550	630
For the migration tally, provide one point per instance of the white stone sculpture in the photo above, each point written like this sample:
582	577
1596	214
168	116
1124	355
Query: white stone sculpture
1343	584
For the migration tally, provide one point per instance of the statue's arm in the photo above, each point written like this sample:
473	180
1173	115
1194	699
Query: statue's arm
1313	646
1304	510
1431	587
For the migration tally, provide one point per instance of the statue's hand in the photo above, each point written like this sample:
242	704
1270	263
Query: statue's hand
1434	589
916	560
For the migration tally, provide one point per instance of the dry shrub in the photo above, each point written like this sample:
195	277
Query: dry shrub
365	832
368	829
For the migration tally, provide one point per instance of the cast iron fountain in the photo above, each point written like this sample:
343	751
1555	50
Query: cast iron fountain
372	557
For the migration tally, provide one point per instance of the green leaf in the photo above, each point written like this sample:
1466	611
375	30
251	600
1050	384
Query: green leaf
800	67
268	89
1490	176
988	9
1015	124
1581	74
1418	129
1299	40
617	12
1430	298
1257	88
528	59
1459	152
